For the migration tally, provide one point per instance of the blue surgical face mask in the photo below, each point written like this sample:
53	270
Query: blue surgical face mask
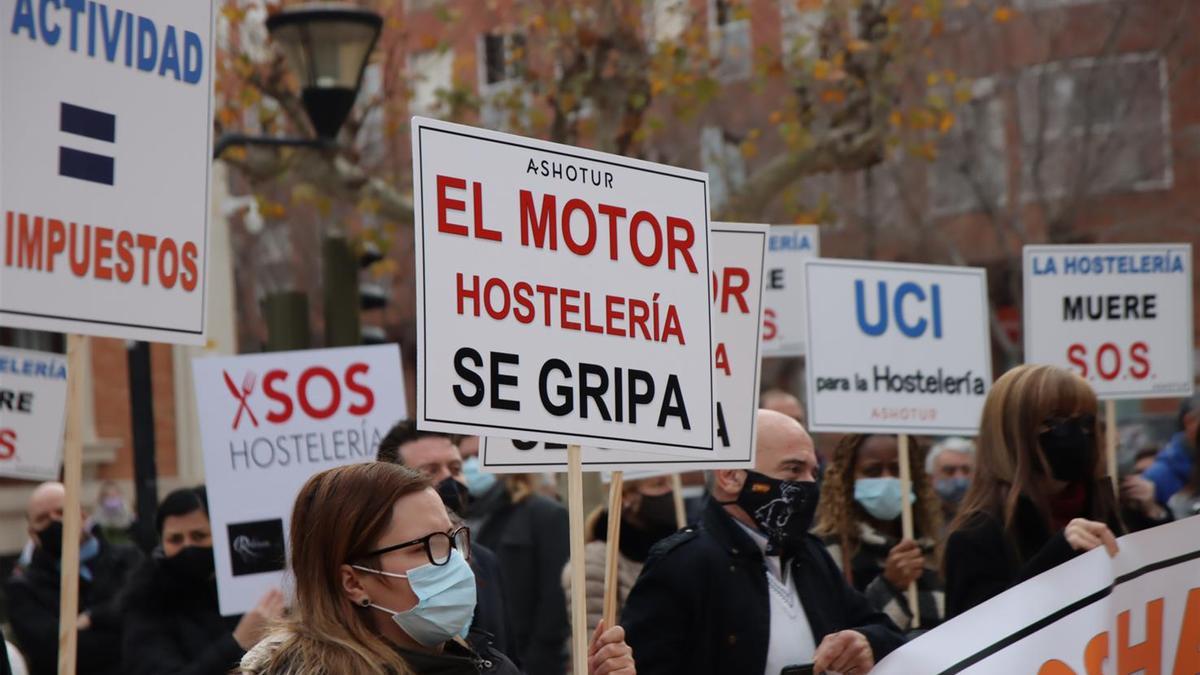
880	497
445	600
952	490
478	482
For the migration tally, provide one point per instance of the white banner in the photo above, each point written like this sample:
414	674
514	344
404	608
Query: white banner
105	152
33	407
783	314
896	348
1118	315
737	294
562	293
1136	613
270	421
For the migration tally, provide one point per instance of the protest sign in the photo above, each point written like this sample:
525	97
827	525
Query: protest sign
562	293
33	405
1138	612
268	422
896	348
783	295
105	152
737	258
1118	315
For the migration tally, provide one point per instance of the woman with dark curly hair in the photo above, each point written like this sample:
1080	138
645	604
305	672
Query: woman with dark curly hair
859	519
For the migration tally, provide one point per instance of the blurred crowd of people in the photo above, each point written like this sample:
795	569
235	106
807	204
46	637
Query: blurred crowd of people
421	562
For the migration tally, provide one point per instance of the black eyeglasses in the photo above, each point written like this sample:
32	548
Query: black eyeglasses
1058	425
437	546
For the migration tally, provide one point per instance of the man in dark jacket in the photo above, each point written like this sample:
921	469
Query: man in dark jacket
749	590
436	455
33	593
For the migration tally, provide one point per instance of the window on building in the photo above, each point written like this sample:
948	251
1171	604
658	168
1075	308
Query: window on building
801	22
371	136
666	20
503	57
431	74
1094	126
971	168
729	34
721	157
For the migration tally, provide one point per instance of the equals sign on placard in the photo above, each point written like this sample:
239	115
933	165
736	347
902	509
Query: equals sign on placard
89	166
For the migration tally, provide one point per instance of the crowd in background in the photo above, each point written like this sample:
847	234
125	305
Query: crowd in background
801	560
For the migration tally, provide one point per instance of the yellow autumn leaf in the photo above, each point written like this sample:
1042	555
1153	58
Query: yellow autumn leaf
931	79
855	46
749	149
821	69
962	95
895	118
946	122
1002	15
833	96
775	117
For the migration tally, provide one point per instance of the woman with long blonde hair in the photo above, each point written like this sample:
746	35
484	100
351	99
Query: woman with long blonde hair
858	518
382	586
1039	496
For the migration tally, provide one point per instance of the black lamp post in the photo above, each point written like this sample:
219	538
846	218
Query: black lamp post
327	44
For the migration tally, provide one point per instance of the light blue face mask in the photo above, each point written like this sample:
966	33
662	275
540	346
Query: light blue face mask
445	600
881	497
478	481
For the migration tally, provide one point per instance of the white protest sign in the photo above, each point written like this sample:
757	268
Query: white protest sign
33	406
783	312
737	257
1118	315
896	348
268	422
105	151
1139	612
562	293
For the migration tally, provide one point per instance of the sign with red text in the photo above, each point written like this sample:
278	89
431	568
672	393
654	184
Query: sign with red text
270	421
562	293
33	406
105	152
783	314
896	348
1136	613
737	295
1118	315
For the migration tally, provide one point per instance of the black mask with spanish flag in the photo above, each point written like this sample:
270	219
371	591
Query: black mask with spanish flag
783	509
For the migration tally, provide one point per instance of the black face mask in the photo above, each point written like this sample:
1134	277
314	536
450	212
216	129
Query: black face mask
658	512
783	509
193	564
51	539
1069	446
454	495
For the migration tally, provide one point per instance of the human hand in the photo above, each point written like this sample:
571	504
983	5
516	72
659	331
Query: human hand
84	621
846	652
1085	535
905	564
608	653
254	623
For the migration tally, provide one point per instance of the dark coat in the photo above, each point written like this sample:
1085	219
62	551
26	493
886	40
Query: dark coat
174	628
33	598
982	560
483	658
491	609
701	606
531	540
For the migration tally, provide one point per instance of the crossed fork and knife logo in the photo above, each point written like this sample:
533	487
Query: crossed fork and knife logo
243	396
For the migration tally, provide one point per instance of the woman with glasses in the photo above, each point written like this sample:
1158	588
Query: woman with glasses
1039	496
383	587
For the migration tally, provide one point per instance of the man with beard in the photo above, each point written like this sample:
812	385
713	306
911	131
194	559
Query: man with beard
749	590
33	594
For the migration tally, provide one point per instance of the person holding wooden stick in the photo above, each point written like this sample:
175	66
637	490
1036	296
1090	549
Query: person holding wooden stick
383	586
750	590
859	519
1039	496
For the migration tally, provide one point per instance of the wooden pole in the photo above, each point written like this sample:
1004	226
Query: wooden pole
579	638
68	606
615	507
1110	443
906	521
680	509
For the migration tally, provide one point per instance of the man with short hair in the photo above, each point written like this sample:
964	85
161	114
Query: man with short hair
783	402
749	591
950	464
33	593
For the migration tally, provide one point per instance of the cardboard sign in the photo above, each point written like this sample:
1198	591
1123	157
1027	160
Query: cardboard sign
1118	315
896	348
1136	613
270	421
33	407
562	294
737	295
105	152
784	315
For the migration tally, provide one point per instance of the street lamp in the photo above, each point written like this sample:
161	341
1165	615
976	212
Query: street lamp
327	45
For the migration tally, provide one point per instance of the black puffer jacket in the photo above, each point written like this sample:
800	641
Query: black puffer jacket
173	627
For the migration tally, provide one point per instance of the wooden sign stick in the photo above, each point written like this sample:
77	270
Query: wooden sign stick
613	550
1110	444
68	604
680	509
579	636
906	521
